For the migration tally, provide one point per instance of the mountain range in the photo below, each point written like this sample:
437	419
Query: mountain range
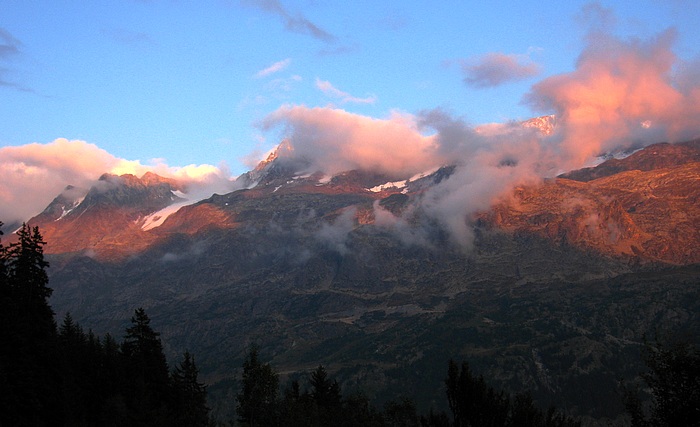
553	290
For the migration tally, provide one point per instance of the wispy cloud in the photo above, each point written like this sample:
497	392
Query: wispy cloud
495	69
9	47
327	88
274	68
295	23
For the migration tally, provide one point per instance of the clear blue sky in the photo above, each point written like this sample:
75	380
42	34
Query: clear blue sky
188	82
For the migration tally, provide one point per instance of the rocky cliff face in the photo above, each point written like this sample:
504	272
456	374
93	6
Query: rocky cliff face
643	206
107	220
563	279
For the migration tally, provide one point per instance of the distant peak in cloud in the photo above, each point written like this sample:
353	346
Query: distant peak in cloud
32	175
495	69
622	92
334	140
327	88
274	68
295	23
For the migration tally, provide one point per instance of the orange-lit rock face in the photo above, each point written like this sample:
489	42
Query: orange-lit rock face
652	214
644	206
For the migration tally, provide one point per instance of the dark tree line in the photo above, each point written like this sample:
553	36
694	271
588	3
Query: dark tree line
63	376
56	376
673	380
471	401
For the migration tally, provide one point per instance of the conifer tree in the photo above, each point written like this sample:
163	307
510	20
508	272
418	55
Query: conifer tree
146	370
673	377
28	372
26	269
257	401
189	395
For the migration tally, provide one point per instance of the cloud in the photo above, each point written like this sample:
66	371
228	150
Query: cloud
274	68
296	24
622	92
595	18
495	69
334	140
327	88
32	175
401	146
9	47
335	235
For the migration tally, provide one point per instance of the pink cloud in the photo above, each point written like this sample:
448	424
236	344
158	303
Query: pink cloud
327	88
495	69
274	68
621	93
335	140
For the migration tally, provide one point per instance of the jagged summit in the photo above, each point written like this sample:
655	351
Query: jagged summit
107	218
317	266
545	124
122	209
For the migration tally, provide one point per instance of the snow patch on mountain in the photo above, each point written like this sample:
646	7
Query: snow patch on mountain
156	219
388	186
65	211
403	183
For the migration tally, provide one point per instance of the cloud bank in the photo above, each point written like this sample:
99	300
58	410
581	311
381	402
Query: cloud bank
334	140
32	175
621	93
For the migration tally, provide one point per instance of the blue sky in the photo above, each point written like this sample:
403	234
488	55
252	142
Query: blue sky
177	83
178	80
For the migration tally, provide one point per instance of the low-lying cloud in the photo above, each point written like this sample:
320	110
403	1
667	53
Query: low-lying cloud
334	140
623	93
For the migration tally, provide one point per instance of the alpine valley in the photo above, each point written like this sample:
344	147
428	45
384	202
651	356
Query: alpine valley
554	291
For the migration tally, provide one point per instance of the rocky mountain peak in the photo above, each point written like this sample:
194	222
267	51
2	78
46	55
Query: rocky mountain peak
545	124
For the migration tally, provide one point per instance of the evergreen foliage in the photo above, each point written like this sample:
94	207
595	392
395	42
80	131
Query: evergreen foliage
474	403
190	395
258	399
29	375
673	377
64	376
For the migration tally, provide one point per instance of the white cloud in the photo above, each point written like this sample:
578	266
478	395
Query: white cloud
274	68
330	90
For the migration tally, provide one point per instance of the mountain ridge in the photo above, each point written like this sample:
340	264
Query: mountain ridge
349	271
